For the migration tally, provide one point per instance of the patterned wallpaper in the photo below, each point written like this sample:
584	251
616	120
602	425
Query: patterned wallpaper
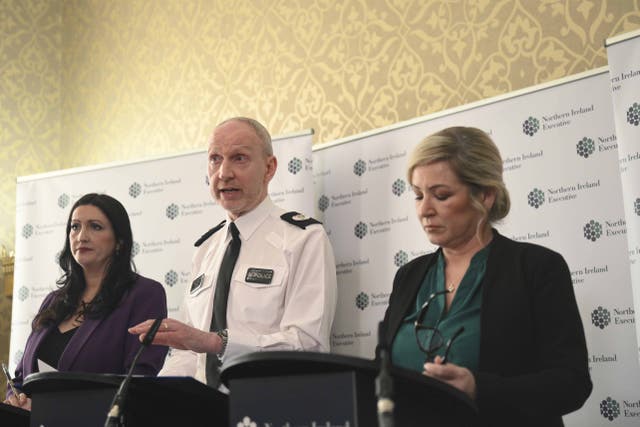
30	105
92	81
150	77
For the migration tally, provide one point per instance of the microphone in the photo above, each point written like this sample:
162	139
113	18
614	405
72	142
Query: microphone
115	417
384	382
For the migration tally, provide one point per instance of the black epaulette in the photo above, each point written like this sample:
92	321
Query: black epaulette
208	234
299	220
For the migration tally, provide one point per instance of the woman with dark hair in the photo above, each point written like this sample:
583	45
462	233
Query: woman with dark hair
82	326
495	318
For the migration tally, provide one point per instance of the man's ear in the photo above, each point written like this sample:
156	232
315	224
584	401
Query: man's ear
272	166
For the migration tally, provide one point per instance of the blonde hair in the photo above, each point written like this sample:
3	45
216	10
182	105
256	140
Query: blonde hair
474	158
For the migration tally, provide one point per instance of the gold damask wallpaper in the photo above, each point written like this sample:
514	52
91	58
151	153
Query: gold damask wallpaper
151	77
92	81
30	106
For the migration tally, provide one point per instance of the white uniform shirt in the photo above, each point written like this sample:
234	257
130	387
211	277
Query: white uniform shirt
293	312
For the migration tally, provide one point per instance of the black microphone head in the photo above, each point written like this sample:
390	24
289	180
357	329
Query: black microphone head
382	346
148	339
381	333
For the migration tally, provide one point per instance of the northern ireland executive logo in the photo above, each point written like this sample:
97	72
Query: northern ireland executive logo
246	422
27	231
171	278
63	200
360	230
362	300
294	166
633	114
530	126
172	211
323	203
610	409
592	230
600	317
398	187
535	198
135	249
585	147
23	293
135	190
359	167
400	258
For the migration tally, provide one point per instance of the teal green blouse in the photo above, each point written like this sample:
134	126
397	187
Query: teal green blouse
463	312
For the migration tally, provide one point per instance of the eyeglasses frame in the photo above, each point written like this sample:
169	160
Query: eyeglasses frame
418	326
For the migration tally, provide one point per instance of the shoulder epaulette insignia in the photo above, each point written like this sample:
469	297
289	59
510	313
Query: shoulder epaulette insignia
209	233
299	220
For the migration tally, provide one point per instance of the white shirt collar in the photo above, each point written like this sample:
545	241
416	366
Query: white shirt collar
249	222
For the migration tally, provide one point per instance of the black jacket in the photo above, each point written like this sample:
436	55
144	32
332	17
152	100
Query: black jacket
533	356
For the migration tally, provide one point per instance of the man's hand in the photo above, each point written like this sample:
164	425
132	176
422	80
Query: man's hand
176	334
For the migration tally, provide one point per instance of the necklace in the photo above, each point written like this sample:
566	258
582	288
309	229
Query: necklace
450	288
84	307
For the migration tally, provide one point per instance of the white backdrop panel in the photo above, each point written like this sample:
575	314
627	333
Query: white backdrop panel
561	168
170	207
624	71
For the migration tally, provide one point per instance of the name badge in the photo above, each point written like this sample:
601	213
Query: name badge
259	275
197	283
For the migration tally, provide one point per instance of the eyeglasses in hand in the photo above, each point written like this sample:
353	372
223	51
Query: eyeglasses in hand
429	338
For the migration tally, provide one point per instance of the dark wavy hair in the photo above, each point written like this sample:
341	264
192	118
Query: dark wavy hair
119	277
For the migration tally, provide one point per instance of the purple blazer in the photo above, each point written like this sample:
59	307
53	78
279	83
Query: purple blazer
104	345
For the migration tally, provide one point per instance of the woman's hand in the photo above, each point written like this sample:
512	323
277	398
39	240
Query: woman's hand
454	375
21	401
176	334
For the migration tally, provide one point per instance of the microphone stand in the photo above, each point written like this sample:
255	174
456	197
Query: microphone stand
115	417
384	383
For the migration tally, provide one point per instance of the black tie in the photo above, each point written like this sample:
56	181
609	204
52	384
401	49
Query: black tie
219	317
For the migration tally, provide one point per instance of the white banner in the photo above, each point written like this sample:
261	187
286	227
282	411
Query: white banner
624	70
170	207
561	167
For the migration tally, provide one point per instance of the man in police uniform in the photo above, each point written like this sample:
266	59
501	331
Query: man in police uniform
282	293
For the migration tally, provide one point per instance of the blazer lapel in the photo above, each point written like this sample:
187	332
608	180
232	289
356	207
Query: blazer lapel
495	266
76	343
31	350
